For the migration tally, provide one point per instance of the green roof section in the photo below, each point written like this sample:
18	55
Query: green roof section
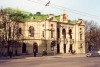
57	18
23	16
39	17
72	21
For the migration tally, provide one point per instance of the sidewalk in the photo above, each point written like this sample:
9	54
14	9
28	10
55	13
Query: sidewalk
70	55
49	55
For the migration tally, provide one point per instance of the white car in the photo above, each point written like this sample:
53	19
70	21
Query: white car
93	54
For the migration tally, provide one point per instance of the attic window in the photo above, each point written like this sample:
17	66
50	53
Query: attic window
31	31
20	30
70	31
43	25
51	25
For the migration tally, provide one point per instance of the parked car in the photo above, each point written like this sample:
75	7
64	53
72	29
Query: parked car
93	54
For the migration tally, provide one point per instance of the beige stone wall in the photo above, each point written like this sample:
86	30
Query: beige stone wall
38	35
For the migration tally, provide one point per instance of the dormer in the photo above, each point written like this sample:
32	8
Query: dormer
81	22
51	17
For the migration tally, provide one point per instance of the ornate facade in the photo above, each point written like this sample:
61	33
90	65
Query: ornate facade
52	35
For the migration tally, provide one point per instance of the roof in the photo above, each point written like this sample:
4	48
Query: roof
42	17
39	17
72	21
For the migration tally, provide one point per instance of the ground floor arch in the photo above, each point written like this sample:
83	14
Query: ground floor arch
64	45
24	48
58	48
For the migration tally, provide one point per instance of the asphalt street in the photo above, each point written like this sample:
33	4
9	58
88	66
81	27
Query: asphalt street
52	61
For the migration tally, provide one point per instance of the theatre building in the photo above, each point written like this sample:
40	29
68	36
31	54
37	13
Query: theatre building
52	34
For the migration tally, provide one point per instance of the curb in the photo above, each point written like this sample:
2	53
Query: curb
52	56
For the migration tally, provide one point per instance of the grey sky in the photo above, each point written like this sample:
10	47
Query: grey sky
81	6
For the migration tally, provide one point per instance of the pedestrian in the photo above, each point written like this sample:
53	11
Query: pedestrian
44	53
34	53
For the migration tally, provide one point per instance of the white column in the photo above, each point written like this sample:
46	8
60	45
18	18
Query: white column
61	43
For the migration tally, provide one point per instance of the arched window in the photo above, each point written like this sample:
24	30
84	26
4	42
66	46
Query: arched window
31	31
20	30
64	33
70	31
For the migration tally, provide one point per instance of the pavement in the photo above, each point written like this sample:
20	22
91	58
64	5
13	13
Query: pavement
48	56
70	55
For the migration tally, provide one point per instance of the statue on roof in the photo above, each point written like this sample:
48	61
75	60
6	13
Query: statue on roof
63	17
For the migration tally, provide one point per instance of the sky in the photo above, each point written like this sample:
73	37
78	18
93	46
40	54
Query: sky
83	9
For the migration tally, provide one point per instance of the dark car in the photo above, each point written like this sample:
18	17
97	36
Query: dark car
93	54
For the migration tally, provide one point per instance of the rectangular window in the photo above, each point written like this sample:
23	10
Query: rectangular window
51	34
43	33
80	36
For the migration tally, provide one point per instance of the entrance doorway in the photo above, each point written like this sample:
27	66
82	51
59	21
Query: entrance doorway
58	48
24	48
64	48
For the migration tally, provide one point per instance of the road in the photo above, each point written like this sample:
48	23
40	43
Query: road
51	62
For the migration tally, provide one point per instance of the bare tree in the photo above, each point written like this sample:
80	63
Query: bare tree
91	35
97	38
